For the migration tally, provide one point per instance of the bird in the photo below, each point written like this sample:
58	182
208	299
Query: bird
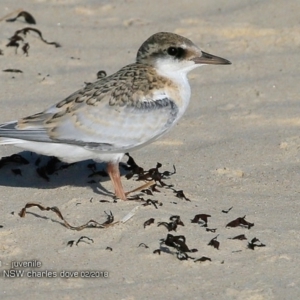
119	113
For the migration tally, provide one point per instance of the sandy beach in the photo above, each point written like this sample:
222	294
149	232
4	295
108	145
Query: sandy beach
235	151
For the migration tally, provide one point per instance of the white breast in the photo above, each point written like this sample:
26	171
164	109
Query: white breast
180	79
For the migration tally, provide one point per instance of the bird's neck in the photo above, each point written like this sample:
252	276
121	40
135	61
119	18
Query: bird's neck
183	93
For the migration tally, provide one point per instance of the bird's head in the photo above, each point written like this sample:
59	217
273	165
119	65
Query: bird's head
169	52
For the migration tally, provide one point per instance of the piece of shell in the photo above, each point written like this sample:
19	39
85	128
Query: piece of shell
130	214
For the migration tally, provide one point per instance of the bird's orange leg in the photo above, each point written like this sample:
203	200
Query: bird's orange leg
114	174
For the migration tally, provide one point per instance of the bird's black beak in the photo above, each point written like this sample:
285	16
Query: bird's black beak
209	59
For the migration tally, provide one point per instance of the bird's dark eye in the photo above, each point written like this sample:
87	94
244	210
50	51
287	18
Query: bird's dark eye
172	51
177	52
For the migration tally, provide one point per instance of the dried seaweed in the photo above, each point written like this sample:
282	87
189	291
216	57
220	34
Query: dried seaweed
253	244
168	173
143	245
177	220
133	167
27	16
203	258
239	237
110	218
154	174
148	201
14	42
211	229
151	174
89	224
180	194
81	239
28	29
213	242
70	243
227	210
240	222
172	226
149	222
202	217
25	48
179	243
16	38
147	192
183	256
13	70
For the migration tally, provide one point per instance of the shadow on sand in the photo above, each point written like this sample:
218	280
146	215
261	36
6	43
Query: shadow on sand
28	169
